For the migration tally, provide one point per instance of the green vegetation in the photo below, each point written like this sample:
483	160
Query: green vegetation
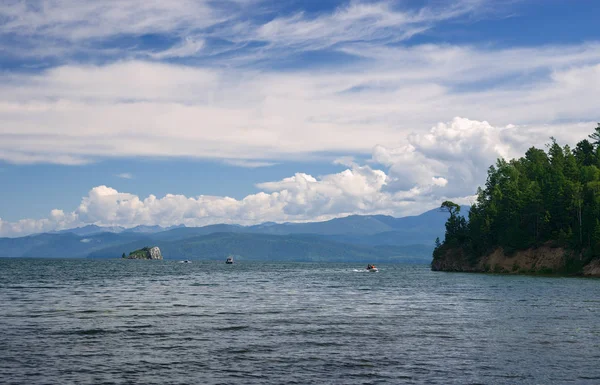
544	198
141	253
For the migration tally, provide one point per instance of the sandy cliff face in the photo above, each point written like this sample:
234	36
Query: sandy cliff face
592	269
541	260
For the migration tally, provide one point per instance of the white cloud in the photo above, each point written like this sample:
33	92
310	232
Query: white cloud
302	197
56	220
454	155
189	47
25	157
345	161
439	181
75	20
447	162
61	28
354	22
248	163
224	110
77	114
125	175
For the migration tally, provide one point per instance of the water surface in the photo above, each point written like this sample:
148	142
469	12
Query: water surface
163	322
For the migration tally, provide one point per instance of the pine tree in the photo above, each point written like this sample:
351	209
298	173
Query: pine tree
546	196
596	136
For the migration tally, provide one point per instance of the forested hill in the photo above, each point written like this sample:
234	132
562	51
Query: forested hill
369	238
539	213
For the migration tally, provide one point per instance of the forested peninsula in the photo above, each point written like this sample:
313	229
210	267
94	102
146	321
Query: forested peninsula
539	214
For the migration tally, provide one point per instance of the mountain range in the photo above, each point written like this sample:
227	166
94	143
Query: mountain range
373	238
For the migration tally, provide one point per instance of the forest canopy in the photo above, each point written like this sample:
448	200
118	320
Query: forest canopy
550	196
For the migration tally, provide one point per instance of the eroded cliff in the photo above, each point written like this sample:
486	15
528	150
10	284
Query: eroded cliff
540	260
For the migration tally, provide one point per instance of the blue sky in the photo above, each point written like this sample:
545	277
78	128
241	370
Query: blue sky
245	111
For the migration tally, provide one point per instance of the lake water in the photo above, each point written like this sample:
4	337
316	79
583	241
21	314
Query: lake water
163	322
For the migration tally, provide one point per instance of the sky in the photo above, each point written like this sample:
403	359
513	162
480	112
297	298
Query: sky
197	112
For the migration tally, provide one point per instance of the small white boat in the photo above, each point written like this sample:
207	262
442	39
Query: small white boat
372	269
229	260
186	261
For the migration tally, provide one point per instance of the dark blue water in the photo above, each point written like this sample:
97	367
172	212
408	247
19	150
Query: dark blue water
163	322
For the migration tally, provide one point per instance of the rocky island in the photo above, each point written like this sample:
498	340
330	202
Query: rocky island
539	214
145	253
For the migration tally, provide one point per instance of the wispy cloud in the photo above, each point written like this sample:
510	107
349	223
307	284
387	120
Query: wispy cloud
255	115
36	157
104	18
124	175
188	47
357	21
65	28
248	163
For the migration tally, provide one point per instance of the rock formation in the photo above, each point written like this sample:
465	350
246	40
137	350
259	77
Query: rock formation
146	253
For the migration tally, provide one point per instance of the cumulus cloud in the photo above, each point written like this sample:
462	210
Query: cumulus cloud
56	220
447	162
455	155
302	197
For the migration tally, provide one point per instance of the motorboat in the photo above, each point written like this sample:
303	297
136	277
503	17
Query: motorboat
372	269
229	260
186	261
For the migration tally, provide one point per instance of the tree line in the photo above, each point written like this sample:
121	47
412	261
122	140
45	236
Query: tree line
550	196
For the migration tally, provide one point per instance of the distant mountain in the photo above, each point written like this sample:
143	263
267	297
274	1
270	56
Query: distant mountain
354	224
426	227
92	229
63	245
247	246
358	229
353	237
186	232
150	229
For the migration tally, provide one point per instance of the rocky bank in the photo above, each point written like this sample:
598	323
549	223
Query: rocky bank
540	260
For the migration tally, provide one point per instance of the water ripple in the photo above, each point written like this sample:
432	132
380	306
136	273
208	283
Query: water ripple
161	322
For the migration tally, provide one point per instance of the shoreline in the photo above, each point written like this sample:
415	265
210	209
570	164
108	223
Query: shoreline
541	261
